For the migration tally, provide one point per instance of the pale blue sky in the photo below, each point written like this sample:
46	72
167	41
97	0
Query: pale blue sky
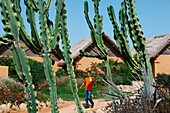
154	16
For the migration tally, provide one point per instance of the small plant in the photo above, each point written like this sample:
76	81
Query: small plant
121	73
60	72
36	69
8	61
11	91
163	79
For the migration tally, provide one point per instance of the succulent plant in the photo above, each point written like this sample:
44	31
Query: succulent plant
11	37
130	25
44	43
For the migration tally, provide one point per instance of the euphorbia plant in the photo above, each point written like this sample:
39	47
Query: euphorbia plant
44	43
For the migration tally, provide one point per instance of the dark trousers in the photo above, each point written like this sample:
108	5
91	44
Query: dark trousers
88	94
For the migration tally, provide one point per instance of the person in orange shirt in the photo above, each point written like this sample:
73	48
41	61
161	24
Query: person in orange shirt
88	82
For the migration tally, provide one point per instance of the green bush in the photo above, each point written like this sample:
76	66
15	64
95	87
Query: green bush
60	72
8	61
121	73
36	69
37	72
163	79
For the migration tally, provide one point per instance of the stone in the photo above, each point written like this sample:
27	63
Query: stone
1	111
15	108
100	111
9	105
43	104
37	101
23	106
60	101
48	104
4	108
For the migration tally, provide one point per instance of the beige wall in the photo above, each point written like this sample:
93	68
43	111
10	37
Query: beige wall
37	58
85	62
40	59
3	71
162	64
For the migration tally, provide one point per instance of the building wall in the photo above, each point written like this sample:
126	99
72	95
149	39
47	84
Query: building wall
85	62
40	59
3	71
162	64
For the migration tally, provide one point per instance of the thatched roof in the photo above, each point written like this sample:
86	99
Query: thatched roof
6	51
156	44
87	45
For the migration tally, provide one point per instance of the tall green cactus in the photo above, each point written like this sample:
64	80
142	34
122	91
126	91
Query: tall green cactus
11	28
96	36
130	23
68	60
47	42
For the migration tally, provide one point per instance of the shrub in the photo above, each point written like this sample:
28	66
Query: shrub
8	61
163	79
121	73
37	72
36	69
60	72
11	91
80	73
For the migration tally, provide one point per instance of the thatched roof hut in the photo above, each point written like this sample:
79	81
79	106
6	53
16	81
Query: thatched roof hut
155	45
86	44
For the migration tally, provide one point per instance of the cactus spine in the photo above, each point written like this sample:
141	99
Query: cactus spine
11	28
130	22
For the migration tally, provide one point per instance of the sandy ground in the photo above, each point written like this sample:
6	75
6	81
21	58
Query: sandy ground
70	107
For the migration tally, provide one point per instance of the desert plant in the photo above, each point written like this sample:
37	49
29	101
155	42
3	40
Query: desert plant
130	23
12	28
48	41
96	36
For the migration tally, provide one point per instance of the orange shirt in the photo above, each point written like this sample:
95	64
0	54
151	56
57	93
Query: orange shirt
88	82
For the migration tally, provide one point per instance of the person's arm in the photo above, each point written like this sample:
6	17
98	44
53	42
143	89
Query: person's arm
82	85
93	82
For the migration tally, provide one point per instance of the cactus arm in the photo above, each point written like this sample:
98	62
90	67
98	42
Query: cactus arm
19	56
57	25
23	34
86	10
68	59
32	3
3	40
139	45
23	71
137	34
17	6
123	19
49	3
87	54
34	32
96	31
50	28
122	41
49	73
27	40
13	24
